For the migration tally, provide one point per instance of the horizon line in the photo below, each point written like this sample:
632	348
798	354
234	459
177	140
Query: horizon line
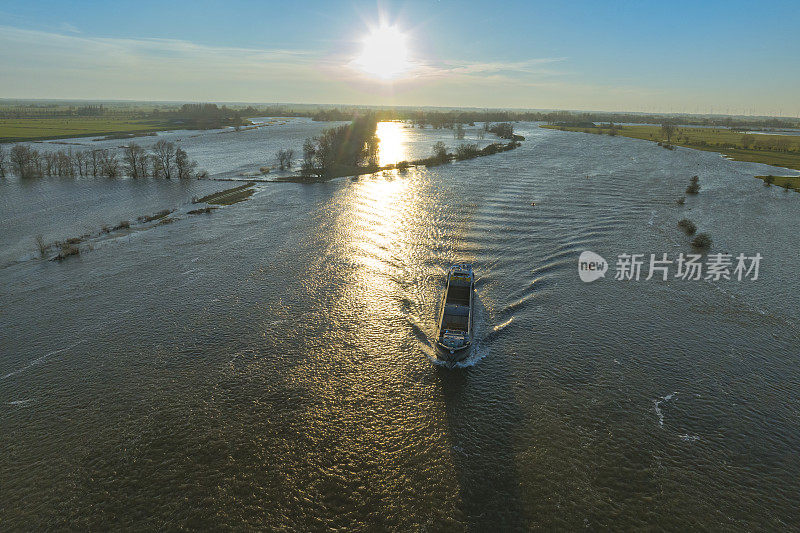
388	106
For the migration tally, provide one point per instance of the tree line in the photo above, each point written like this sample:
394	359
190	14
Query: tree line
202	116
163	160
209	115
440	119
342	149
187	116
768	142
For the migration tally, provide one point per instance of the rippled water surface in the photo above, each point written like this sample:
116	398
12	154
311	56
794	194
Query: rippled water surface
271	364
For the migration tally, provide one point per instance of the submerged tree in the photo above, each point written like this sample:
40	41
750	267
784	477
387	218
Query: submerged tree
166	160
163	154
183	166
26	161
40	245
63	164
309	151
702	241
342	149
136	161
79	162
440	151
94	163
284	158
694	185
687	226
109	165
467	151
504	130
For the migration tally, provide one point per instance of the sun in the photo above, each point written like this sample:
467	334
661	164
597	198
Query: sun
385	53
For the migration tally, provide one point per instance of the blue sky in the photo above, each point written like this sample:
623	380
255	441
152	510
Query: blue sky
723	57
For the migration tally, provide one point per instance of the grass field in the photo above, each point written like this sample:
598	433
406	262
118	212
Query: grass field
776	150
782	181
228	196
31	129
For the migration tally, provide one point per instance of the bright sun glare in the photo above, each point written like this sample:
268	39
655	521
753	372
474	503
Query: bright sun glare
385	53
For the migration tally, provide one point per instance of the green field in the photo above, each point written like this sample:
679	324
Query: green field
228	196
776	150
31	129
793	182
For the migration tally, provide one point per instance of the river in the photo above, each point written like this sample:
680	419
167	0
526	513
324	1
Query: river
270	365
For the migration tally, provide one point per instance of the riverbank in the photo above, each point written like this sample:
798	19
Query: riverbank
787	182
775	150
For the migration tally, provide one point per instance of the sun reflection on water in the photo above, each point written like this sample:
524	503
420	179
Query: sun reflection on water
392	139
380	219
378	222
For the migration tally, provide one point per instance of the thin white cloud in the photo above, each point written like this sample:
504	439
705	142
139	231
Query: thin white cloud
40	49
70	28
111	61
50	64
529	66
424	72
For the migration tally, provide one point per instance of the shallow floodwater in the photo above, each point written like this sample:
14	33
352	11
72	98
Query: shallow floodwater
61	208
270	365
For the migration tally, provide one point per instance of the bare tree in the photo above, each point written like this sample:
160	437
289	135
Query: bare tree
52	162
668	129
459	131
80	161
94	162
163	154
40	244
183	165
26	161
36	164
309	153
63	164
2	162
143	166
440	151
135	159
19	159
285	158
781	145
109	164
47	163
